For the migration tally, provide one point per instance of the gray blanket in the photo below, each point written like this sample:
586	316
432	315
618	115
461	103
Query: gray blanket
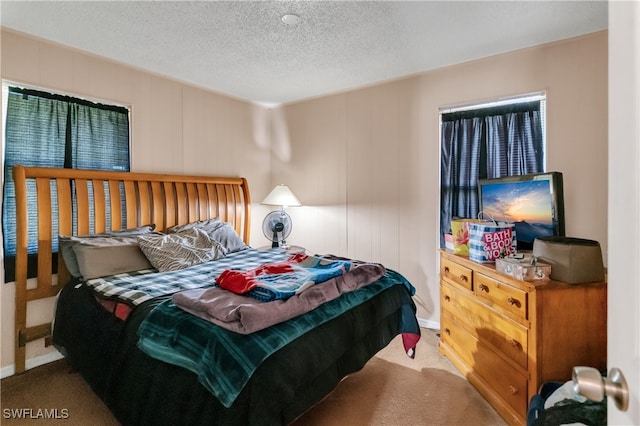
246	315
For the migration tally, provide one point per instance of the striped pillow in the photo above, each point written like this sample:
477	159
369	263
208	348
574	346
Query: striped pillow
170	252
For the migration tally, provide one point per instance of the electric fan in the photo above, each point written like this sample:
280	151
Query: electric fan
277	227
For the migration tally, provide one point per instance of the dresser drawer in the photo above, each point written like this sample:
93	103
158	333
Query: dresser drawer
505	380
501	296
506	335
456	273
454	336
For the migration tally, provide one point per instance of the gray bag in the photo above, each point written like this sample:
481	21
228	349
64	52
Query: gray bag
573	260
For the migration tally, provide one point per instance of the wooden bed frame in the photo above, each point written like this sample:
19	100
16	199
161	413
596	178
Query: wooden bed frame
81	195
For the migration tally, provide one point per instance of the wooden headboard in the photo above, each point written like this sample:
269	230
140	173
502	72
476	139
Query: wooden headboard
91	196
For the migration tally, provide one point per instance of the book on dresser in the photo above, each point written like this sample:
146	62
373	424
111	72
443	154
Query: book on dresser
509	336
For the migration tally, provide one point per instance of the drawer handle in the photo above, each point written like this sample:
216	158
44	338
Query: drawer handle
447	332
446	269
464	278
513	390
447	298
514	343
484	288
513	302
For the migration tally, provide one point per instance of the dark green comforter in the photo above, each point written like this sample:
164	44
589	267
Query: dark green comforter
141	390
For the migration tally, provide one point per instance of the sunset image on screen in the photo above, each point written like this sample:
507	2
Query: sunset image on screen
528	201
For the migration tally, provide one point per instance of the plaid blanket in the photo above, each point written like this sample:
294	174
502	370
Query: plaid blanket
137	287
225	361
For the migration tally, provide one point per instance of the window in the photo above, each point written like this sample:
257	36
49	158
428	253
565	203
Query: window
52	130
487	141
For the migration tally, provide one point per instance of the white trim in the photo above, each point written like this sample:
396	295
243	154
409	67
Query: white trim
429	324
84	97
10	370
517	99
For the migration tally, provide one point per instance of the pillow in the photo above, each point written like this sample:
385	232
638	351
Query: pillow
66	244
220	231
202	224
109	256
227	237
179	250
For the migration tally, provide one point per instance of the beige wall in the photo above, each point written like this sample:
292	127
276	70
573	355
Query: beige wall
175	128
372	155
365	163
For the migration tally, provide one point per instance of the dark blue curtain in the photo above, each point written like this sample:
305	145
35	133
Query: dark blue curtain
49	130
485	143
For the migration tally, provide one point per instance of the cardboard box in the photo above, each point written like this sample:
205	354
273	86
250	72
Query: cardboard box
524	269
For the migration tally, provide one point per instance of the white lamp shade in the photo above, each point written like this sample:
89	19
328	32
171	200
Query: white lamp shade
281	196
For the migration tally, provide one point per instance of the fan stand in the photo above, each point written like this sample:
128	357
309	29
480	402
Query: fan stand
279	227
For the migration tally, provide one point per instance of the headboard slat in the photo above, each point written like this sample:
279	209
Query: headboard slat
203	200
82	203
115	205
192	202
183	208
238	207
43	189
144	208
222	201
157	211
213	200
65	221
170	204
99	206
90	196
229	204
131	203
65	215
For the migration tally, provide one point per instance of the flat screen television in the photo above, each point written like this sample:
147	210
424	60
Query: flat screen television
534	202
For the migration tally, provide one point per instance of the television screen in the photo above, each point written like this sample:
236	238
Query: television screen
534	203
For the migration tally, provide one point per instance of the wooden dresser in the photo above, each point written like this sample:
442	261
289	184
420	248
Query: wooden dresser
509	336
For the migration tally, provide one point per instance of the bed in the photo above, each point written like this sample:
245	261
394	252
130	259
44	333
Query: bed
144	340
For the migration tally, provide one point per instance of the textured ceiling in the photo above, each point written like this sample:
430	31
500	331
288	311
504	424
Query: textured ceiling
243	49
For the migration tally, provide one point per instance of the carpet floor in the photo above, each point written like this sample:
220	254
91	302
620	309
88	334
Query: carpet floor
391	390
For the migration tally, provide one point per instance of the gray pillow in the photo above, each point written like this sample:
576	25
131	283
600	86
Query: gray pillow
179	250
227	237
66	244
109	256
202	224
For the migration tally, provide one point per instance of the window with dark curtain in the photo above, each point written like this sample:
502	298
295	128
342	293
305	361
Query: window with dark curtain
50	130
484	143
